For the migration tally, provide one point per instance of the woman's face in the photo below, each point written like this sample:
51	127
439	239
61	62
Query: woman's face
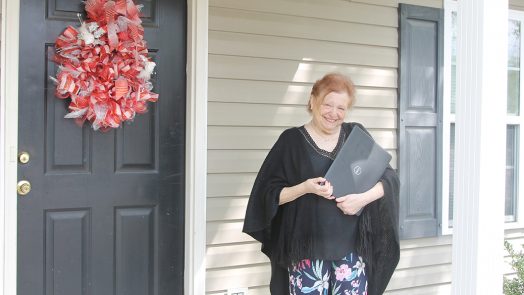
331	112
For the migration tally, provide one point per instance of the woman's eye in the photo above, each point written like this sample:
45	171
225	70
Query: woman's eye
341	108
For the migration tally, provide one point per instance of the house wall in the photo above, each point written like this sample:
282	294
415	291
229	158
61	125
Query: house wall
516	4
263	58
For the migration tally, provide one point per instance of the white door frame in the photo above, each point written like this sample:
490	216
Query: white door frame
196	146
8	146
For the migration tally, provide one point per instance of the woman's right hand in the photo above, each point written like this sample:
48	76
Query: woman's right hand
319	186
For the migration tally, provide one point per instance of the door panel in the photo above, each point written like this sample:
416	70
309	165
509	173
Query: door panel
67	238
106	210
134	251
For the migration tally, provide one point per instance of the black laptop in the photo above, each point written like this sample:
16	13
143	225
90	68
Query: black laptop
358	165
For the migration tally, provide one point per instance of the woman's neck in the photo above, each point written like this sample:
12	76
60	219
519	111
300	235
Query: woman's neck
323	140
325	134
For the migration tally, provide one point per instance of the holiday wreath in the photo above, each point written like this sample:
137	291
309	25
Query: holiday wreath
104	65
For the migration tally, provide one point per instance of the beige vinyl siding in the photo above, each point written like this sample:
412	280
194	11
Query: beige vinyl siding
516	238
264	57
427	3
516	4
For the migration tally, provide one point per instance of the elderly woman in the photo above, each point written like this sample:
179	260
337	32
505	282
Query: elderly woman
316	243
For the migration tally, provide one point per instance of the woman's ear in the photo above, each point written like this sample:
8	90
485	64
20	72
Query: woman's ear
310	103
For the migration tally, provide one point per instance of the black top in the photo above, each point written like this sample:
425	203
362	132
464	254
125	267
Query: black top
312	226
327	242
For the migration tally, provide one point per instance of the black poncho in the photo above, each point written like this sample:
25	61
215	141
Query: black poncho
313	227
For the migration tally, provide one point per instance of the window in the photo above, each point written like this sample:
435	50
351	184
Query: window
514	119
448	117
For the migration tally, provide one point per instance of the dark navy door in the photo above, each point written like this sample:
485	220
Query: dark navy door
105	214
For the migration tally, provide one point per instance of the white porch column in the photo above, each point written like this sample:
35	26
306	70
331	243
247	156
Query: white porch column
478	225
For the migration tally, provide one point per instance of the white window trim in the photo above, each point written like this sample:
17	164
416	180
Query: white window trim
519	120
448	118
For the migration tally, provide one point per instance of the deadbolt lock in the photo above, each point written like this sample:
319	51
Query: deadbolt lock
23	157
23	187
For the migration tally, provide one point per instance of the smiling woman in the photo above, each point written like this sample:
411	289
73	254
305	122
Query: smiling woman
315	242
330	99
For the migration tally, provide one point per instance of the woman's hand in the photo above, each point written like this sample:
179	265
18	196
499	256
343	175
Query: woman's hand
350	204
319	186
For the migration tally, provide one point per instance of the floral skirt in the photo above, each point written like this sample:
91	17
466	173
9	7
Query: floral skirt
346	276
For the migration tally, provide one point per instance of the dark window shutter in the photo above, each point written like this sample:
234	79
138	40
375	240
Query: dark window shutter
420	120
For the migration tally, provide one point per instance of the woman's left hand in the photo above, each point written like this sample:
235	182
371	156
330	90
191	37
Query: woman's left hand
350	204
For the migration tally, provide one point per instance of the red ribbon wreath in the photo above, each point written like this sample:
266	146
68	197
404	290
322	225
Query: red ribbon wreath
104	65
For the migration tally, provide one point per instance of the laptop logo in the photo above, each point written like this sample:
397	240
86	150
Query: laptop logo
357	170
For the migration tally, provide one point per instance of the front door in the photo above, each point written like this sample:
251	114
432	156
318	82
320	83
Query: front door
105	214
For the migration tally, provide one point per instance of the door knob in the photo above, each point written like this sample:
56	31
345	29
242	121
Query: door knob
23	157
23	187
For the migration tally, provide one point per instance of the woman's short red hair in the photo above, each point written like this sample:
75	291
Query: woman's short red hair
331	82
